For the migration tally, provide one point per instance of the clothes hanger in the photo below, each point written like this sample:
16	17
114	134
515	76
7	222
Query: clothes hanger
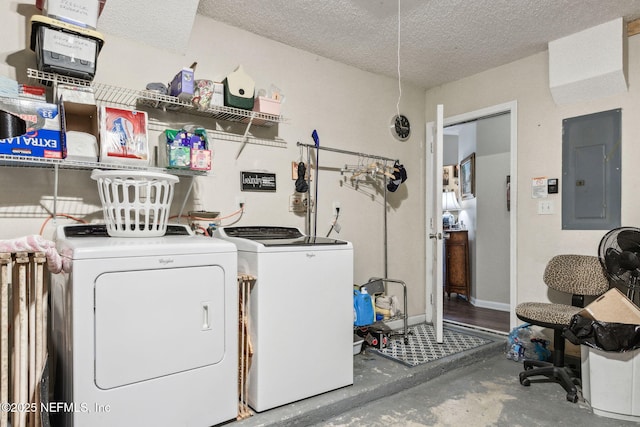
360	170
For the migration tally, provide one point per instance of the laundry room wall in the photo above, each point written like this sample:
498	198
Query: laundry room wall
351	109
539	153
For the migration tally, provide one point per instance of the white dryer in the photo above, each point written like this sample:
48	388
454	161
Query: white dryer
300	312
144	330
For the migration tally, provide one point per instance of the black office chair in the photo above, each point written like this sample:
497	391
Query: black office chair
578	275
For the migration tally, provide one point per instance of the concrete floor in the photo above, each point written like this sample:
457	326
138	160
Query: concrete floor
478	387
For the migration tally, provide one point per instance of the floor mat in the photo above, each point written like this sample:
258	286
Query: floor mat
423	347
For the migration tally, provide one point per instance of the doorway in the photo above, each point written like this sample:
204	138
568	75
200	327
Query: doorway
487	213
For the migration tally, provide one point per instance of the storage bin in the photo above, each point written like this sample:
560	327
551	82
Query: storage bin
63	48
611	382
357	344
83	13
267	105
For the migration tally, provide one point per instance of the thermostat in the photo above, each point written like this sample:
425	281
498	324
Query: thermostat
552	186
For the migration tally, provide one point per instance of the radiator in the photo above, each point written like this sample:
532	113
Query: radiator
23	337
245	282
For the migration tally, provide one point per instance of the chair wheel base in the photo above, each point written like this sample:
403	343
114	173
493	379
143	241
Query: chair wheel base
550	373
525	382
572	397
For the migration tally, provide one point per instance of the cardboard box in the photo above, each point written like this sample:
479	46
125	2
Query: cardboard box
182	85
43	138
78	12
612	306
78	120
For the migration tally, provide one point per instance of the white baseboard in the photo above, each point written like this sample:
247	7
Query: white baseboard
500	306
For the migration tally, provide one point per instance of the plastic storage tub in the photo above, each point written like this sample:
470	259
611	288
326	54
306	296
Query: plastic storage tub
63	48
611	382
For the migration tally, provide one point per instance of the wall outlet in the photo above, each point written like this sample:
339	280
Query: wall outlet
296	203
336	207
241	203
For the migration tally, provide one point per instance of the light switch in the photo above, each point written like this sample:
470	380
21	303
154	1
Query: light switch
545	207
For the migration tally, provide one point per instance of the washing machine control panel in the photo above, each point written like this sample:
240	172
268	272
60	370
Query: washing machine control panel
100	230
277	236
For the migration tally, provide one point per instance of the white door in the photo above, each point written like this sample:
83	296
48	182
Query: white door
433	209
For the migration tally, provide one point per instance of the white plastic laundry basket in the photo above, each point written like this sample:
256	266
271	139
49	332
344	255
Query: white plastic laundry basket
135	203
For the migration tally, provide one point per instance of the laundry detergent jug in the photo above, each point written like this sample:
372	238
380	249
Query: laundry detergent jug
363	308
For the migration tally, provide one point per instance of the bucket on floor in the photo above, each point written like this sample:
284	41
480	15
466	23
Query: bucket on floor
611	382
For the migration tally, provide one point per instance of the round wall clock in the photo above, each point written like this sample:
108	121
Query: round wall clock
400	127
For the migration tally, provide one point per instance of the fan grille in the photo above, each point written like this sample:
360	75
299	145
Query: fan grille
619	253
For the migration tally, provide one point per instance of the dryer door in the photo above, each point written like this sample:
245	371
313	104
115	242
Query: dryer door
152	323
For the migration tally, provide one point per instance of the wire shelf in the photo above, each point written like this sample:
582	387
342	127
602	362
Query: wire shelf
41	162
114	95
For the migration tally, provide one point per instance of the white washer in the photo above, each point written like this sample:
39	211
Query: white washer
301	313
144	330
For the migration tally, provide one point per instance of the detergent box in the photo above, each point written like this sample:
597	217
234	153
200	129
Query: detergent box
43	137
182	85
123	136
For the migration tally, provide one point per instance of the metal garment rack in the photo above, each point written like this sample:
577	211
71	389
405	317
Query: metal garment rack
351	153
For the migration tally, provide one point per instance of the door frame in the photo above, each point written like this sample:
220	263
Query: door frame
510	107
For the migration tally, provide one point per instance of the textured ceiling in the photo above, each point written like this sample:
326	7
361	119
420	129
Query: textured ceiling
440	40
165	24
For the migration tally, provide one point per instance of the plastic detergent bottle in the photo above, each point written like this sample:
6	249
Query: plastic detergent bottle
363	307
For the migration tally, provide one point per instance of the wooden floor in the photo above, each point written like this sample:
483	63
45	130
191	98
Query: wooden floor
460	310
